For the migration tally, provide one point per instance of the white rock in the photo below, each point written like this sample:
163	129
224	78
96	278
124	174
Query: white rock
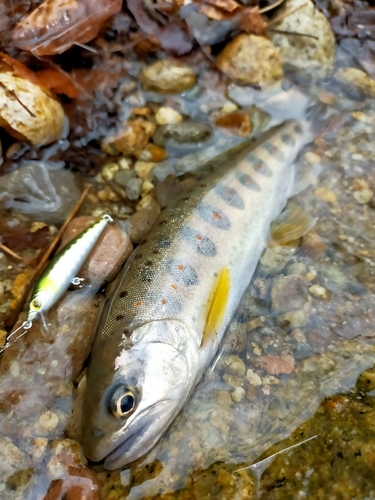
166	115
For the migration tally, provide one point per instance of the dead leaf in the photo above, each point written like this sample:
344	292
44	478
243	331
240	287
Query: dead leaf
227	5
57	25
215	13
251	21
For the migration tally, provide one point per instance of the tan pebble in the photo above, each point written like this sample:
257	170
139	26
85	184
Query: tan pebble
109	170
362	117
153	153
364	196
124	163
46	423
298	335
229	107
312	158
165	116
20	283
318	291
257	350
238	394
167	76
145	202
235	365
254	323
143	168
270	380
358	78
326	195
251	59
224	399
232	381
311	275
35	226
147	187
253	378
40	444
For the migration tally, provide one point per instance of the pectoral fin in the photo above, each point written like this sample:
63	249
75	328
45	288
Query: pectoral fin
290	226
217	304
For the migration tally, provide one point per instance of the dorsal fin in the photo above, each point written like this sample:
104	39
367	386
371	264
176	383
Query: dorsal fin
217	304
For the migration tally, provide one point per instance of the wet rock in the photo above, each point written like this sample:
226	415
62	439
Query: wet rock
167	115
238	394
235	338
12	461
251	60
153	153
253	378
235	365
314	244
236	122
70	476
143	169
274	260
167	77
46	423
109	254
274	365
289	293
318	291
131	140
142	221
362	192
133	189
358	79
176	137
297	318
304	52
124	176
37	118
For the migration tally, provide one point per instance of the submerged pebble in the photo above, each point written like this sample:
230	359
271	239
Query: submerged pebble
168	77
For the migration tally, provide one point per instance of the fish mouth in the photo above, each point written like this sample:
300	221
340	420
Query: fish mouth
125	452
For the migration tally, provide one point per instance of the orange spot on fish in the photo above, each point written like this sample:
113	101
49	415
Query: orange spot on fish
229	191
199	237
217	215
138	303
258	166
180	267
174	287
164	301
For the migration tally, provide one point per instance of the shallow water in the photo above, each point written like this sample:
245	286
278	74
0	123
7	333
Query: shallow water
302	336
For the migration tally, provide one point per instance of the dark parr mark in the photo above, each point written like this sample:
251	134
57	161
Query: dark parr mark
274	151
182	272
162	223
247	181
214	217
260	166
202	244
230	196
288	139
163	241
123	294
298	129
120	317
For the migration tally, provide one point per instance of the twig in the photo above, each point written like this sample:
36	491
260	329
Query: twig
11	320
15	96
286	14
10	252
294	33
270	7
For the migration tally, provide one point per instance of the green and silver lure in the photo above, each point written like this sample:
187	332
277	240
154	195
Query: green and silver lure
60	273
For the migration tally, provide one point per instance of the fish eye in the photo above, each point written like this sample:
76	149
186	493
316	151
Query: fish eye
36	304
122	402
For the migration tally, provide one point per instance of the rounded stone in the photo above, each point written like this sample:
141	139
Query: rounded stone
251	59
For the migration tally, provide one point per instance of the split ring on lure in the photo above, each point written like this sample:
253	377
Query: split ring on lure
60	273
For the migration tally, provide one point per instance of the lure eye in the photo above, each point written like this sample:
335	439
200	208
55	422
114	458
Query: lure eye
36	304
123	402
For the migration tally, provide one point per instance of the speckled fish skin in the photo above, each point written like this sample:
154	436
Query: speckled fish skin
150	336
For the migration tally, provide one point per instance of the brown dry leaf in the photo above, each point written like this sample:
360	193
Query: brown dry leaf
56	25
215	13
47	79
227	5
236	122
24	240
251	21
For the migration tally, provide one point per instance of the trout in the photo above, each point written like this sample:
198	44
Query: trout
165	318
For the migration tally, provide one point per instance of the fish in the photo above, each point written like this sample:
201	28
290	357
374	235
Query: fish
59	274
165	318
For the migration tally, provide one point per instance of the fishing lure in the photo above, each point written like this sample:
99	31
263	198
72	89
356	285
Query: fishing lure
59	274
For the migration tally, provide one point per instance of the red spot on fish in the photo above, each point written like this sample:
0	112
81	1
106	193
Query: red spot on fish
138	303
229	191
258	166
199	237
180	267
164	301
217	215
174	287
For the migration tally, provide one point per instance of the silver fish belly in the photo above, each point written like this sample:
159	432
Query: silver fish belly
165	319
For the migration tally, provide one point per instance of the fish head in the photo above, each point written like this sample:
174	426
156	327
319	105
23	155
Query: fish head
146	380
40	303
